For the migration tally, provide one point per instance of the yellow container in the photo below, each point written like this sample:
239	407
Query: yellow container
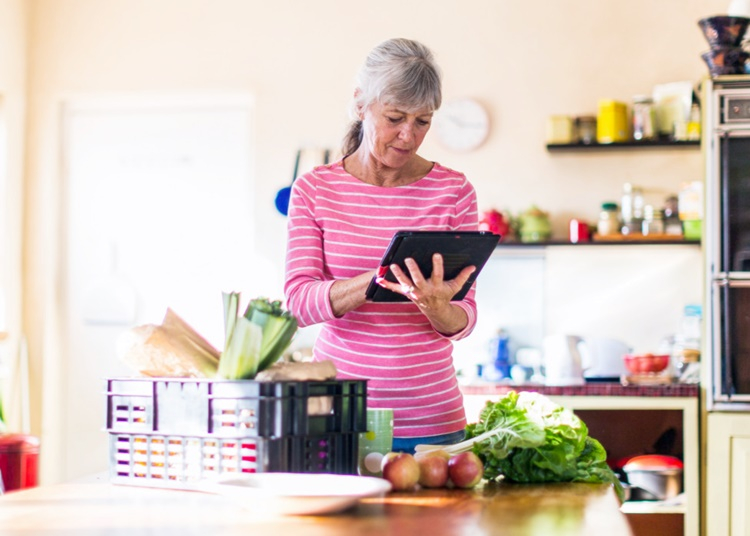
612	123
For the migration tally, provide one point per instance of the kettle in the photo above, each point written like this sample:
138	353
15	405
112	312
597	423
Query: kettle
602	358
563	364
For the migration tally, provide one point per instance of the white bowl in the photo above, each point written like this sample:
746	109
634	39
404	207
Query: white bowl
297	493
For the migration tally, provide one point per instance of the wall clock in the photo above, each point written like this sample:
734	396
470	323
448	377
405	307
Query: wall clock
462	124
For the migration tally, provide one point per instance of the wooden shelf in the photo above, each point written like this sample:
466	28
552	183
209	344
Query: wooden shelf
663	144
661	242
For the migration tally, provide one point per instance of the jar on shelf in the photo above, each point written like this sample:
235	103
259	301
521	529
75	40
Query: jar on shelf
609	220
631	209
653	223
586	125
644	118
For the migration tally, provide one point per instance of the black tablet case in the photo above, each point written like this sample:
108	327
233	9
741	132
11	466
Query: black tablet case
458	248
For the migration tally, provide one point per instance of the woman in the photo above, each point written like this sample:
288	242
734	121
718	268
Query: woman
342	217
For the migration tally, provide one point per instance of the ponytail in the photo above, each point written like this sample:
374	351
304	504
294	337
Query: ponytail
353	138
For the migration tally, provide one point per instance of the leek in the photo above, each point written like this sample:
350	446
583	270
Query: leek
255	340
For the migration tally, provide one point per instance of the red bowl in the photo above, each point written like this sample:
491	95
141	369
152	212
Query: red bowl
646	363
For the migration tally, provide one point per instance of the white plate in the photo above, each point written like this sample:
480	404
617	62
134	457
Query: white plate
298	493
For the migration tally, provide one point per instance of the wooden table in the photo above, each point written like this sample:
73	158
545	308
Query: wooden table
96	507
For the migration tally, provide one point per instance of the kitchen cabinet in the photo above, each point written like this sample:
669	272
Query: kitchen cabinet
628	424
728	474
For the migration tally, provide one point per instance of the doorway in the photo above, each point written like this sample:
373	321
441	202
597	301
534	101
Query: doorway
157	210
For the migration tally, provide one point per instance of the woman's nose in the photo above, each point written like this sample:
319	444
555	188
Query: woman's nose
407	131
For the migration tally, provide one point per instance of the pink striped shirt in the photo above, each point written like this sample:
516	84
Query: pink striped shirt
339	227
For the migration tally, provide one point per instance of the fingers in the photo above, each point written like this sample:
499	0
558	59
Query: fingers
464	275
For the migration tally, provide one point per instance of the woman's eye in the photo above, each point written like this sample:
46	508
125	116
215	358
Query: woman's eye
394	120
423	122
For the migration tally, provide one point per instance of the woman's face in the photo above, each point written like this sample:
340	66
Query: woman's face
392	135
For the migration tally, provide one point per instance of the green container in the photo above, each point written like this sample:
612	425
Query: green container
692	229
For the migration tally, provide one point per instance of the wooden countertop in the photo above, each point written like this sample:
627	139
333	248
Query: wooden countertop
99	508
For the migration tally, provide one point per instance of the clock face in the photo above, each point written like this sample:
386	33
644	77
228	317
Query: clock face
462	124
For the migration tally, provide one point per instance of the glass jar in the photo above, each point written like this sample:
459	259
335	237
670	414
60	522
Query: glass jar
632	209
609	221
644	118
653	223
586	129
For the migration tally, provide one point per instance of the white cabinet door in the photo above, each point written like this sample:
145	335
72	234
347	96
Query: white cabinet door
728	475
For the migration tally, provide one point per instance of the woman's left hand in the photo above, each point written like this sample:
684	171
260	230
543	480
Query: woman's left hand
432	295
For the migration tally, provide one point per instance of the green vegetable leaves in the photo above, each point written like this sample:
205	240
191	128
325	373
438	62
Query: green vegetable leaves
256	340
527	438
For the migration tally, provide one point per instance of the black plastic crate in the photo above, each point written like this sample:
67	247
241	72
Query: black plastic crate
236	408
183	461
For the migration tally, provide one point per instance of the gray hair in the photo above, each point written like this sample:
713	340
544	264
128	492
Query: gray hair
400	72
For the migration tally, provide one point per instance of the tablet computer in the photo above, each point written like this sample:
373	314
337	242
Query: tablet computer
458	248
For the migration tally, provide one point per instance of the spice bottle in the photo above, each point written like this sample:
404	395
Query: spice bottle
609	221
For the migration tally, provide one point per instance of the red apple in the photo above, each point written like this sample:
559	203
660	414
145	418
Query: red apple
465	470
433	470
437	452
401	470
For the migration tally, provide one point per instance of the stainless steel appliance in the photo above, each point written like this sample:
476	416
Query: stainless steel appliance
726	140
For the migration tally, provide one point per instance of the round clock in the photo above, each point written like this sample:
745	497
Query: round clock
462	124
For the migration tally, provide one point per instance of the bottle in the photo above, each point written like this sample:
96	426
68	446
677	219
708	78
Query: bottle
631	209
672	222
609	221
644	119
652	224
500	355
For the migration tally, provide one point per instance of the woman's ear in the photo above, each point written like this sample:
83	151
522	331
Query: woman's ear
359	108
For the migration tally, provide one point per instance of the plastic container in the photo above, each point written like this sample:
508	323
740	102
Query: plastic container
178	462
236	408
19	461
175	432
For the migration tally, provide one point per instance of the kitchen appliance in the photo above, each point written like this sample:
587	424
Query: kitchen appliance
726	142
562	360
602	359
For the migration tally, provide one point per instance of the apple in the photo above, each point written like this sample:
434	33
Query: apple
401	470
465	470
438	452
433	470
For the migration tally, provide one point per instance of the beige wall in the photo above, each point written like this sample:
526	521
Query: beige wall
13	26
524	60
